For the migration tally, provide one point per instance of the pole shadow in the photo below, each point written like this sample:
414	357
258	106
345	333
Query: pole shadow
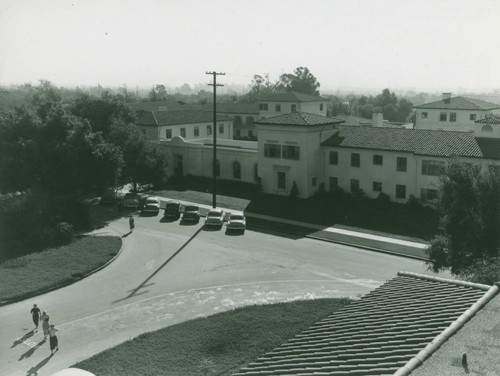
30	352
33	371
23	338
127	234
133	292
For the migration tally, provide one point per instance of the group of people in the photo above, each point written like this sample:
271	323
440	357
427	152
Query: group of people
49	330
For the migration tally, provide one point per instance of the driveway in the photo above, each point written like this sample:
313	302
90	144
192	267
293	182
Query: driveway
168	273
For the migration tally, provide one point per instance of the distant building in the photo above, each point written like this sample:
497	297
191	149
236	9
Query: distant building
293	101
458	114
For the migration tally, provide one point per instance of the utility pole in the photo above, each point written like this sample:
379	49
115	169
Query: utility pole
215	84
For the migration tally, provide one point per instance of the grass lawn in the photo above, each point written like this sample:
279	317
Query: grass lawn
36	272
216	345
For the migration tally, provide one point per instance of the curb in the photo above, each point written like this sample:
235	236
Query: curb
63	284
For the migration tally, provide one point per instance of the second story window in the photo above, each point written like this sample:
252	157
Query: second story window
294	108
183	132
443	116
473	117
432	168
321	106
277	108
272	151
291	152
378	160
355	160
196	131
168	134
423	115
209	130
453	116
334	158
401	164
221	128
263	106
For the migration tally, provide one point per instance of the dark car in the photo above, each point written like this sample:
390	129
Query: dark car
172	209
191	214
130	201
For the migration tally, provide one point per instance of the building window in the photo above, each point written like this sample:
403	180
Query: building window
277	107
401	164
432	168
453	116
168	134
238	133
443	116
354	185
487	128
250	120
291	152
355	160
377	186
334	157
196	131
221	128
272	151
400	191
294	107
423	115
263	106
314	182
378	160
321	106
333	183
281	180
250	133
237	121
428	194
236	170
209	130
183	132
472	117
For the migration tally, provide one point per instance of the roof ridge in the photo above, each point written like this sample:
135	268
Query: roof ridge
478	286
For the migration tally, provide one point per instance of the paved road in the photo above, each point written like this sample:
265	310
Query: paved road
209	273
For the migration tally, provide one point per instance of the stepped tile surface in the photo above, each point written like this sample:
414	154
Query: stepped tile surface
376	335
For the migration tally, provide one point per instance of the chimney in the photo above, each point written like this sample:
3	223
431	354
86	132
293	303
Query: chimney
377	119
447	98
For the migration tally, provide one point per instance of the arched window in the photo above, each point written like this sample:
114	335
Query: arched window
487	128
236	170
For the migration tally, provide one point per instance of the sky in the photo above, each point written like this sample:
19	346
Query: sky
421	45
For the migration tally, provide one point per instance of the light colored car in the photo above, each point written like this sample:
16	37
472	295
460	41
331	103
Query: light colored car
151	205
191	214
236	222
215	217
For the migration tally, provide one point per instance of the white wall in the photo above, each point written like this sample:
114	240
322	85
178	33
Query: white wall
203	133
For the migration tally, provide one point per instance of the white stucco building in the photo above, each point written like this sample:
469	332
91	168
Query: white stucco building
283	103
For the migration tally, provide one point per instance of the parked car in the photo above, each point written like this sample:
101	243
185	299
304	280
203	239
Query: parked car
191	213
215	217
151	205
172	209
130	201
109	197
236	222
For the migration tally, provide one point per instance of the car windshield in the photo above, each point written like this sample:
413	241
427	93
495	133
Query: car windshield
236	217
191	208
151	200
214	213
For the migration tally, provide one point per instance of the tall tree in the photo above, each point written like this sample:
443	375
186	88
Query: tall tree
301	80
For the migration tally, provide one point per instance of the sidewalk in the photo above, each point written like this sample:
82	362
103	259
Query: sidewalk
336	234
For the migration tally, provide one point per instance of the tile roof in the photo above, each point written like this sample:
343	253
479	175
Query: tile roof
238	108
489	120
162	118
299	119
395	327
490	147
418	141
291	96
460	103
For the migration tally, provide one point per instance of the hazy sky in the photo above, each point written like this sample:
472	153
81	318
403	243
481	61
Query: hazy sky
441	45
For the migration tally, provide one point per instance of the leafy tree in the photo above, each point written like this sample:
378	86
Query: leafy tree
469	210
158	93
301	80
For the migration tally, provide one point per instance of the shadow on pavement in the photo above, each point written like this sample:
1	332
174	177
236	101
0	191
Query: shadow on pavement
144	283
23	338
30	352
33	371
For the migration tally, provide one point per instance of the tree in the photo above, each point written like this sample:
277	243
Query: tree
469	209
158	93
301	80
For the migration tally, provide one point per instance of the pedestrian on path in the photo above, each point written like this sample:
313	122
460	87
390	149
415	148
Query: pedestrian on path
54	343
131	223
35	314
45	327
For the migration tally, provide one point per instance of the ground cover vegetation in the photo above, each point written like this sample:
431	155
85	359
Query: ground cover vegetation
468	241
216	345
35	273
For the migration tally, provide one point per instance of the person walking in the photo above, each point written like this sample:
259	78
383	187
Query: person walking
35	314
45	327
131	223
54	343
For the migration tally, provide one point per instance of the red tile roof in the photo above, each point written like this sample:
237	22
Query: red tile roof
292	96
299	119
383	332
489	120
460	103
418	141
